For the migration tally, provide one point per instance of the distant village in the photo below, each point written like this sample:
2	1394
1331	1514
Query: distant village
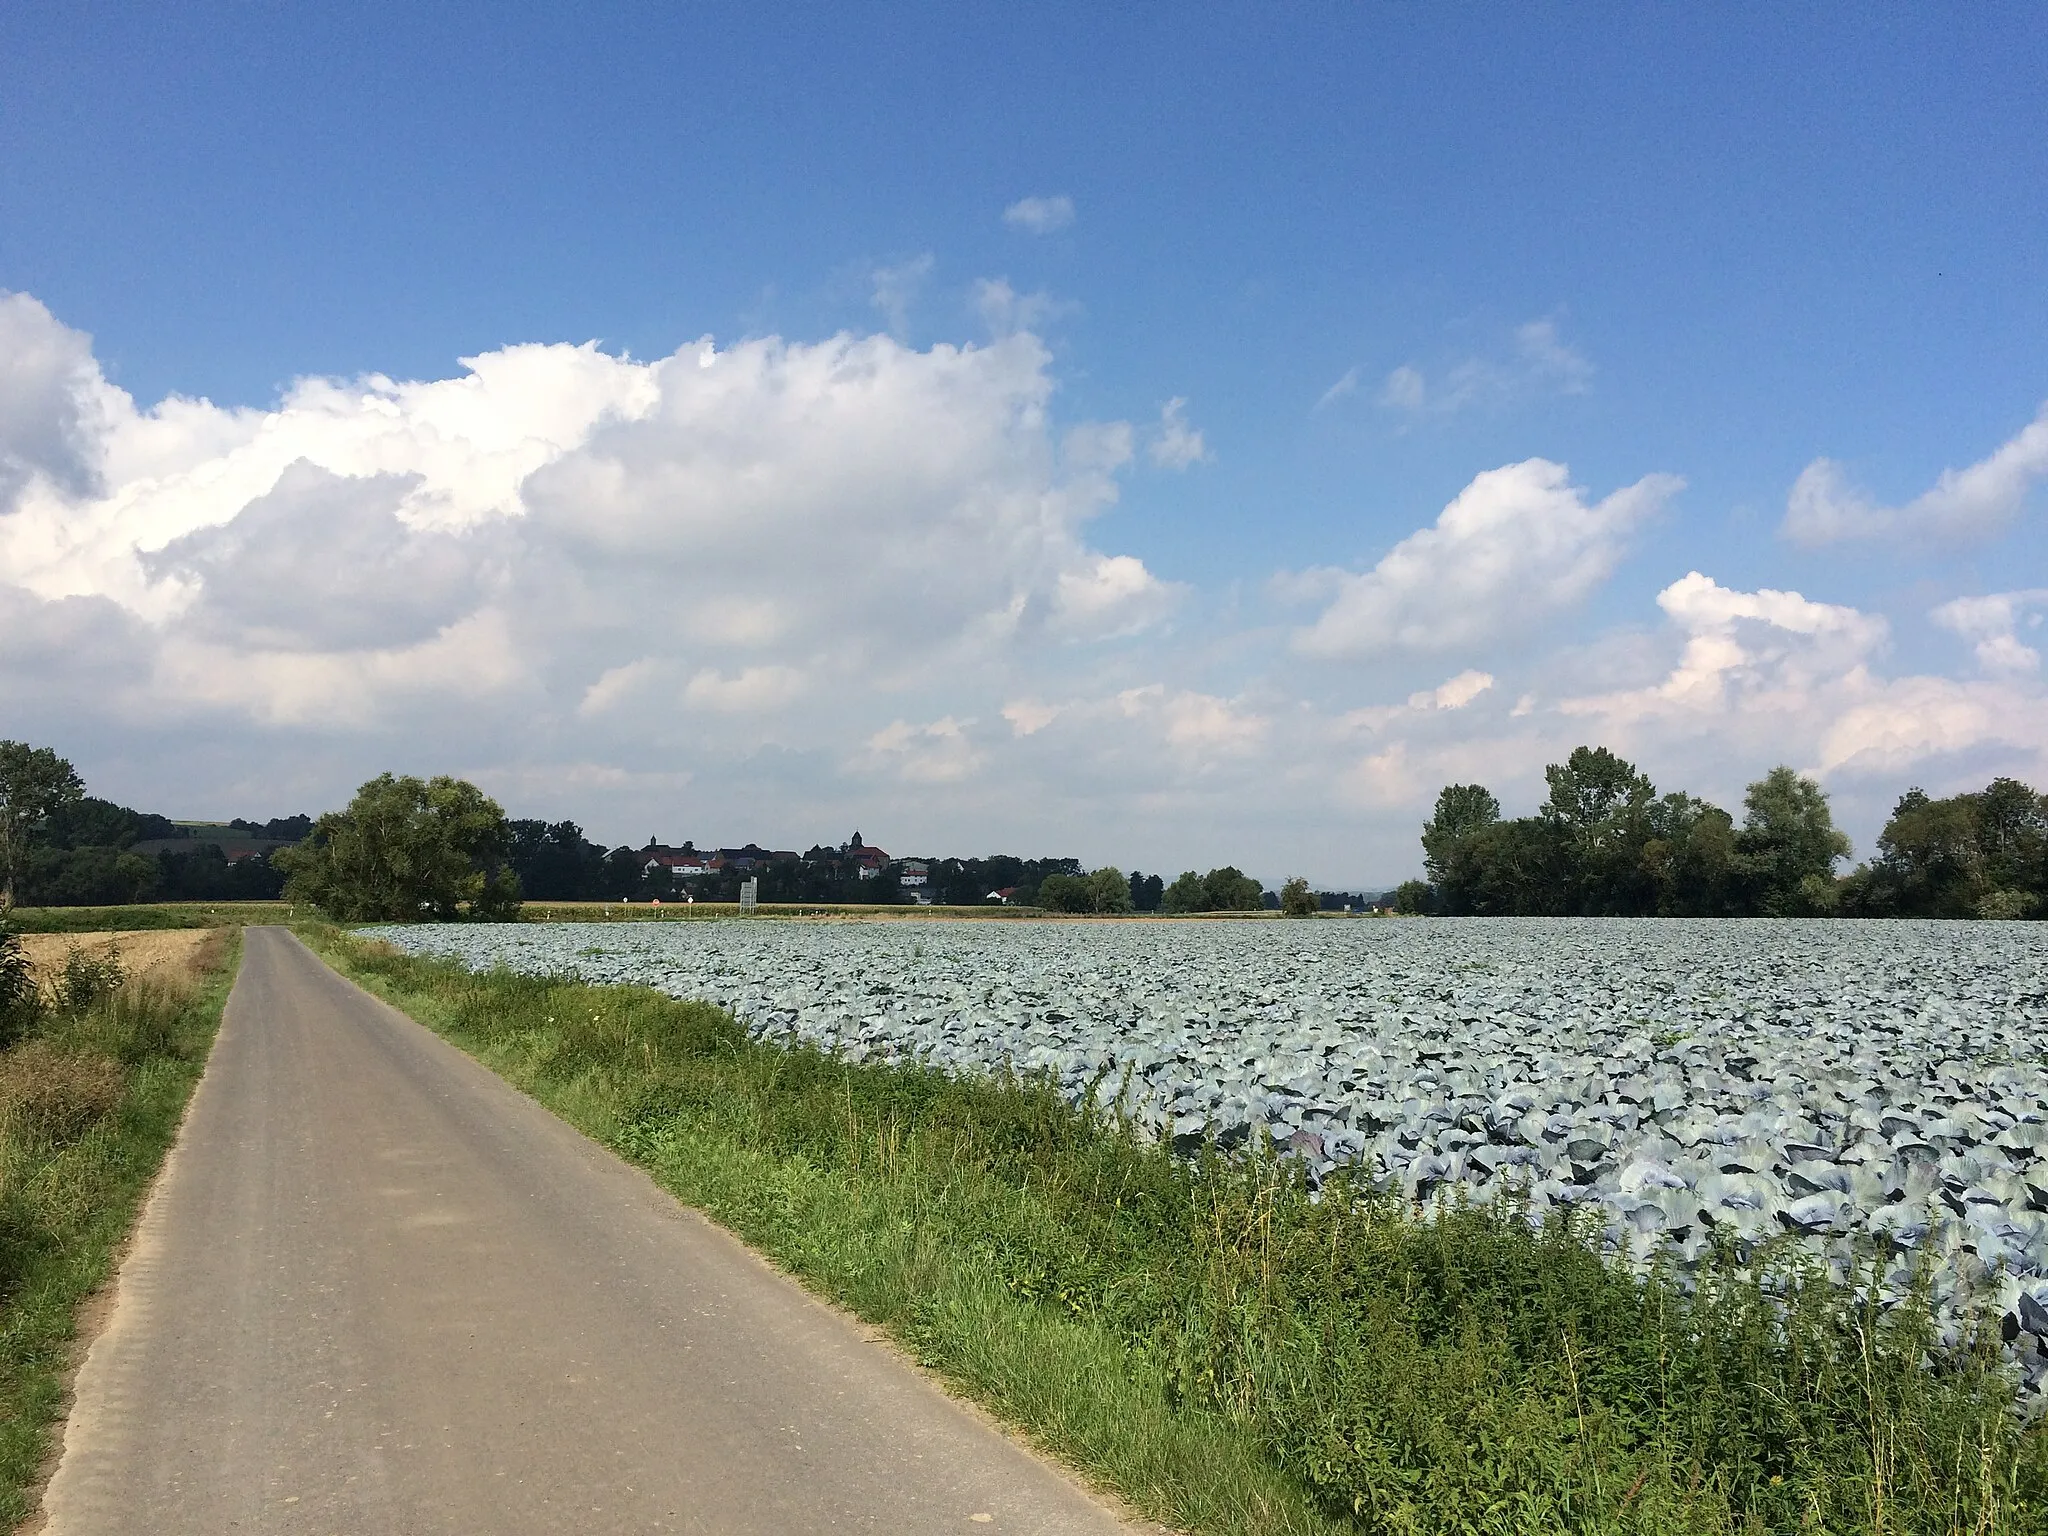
687	866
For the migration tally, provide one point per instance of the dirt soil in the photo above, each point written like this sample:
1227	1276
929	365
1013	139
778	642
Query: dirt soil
142	954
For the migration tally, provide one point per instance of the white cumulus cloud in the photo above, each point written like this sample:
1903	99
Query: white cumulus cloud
1519	544
1993	624
1980	500
563	555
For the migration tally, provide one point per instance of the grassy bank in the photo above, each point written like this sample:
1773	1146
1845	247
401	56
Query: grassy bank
1234	1356
93	1083
154	915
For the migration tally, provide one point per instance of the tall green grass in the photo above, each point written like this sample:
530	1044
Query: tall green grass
92	1089
1235	1355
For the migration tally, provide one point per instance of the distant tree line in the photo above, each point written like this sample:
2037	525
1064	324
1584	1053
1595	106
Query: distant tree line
1606	843
61	847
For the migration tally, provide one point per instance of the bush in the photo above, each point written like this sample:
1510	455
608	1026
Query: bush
1296	900
86	979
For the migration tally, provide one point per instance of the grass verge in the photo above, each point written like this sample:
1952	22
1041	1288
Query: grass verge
92	1089
1234	1356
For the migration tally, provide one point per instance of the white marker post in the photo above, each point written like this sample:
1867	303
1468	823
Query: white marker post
749	893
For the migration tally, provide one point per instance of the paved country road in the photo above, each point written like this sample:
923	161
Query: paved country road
378	1290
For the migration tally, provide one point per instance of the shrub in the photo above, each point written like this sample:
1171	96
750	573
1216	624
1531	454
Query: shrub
86	979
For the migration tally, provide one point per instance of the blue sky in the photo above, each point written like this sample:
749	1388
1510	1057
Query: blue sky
1376	253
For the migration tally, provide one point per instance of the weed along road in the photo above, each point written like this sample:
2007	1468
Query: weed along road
377	1290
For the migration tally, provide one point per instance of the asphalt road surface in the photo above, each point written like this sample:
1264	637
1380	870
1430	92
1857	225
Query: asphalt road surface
377	1290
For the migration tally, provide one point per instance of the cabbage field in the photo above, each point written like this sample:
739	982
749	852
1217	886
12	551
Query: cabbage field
1678	1079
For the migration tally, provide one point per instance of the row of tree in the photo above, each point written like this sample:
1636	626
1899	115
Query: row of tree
61	847
1606	843
1603	843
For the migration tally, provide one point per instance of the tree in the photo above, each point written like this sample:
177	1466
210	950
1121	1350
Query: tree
1065	893
1186	894
1461	811
1789	845
2012	837
1296	900
1230	889
1147	891
406	849
1108	891
1690	858
1971	855
1599	812
1412	898
555	862
35	784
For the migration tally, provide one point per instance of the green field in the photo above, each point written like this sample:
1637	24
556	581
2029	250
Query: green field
163	914
1231	1354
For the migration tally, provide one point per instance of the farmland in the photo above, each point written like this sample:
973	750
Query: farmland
1687	1084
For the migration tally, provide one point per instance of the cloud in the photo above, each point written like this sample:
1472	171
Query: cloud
1114	596
1192	721
1993	622
896	288
1753	652
1518	545
1538	362
937	753
1177	445
1028	717
1772	675
558	552
1346	384
751	690
324	562
1040	215
850	582
52	401
1005	311
1973	503
1454	694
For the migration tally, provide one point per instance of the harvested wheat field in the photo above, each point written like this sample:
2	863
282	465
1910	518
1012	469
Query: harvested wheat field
162	952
